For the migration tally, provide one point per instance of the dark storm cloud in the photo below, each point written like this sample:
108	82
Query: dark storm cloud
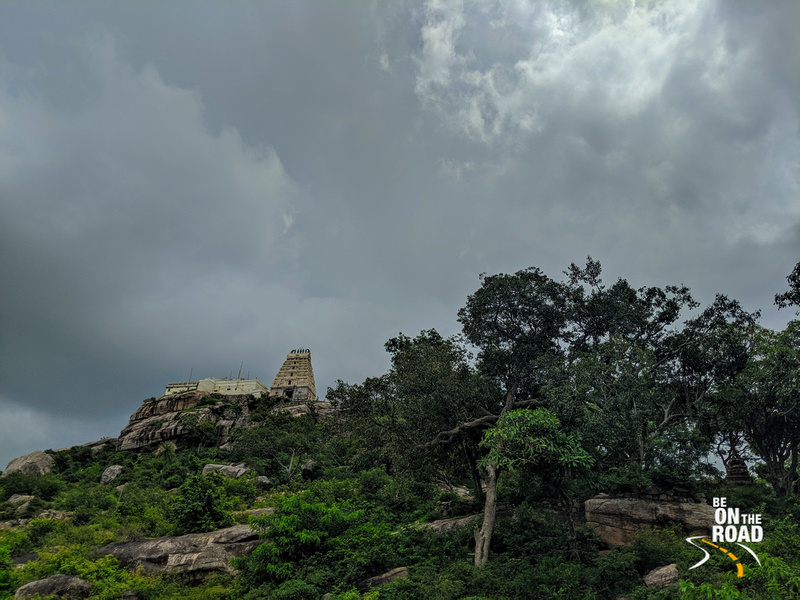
189	186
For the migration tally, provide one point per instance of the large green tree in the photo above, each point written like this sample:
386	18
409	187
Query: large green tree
766	405
404	417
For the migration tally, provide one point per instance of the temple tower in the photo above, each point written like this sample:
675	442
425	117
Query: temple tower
295	379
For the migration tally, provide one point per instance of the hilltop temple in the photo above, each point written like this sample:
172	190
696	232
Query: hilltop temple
294	381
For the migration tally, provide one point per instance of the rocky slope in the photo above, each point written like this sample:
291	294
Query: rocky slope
194	552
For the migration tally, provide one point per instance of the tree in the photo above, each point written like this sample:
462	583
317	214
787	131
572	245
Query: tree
168	451
767	405
532	331
401	416
517	322
521	437
792	296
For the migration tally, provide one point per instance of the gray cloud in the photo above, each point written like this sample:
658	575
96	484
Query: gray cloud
192	186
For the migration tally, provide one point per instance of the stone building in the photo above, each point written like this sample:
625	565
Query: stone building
295	379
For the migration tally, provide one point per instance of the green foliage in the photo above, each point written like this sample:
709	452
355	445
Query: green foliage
331	536
294	589
44	487
110	581
429	389
707	591
302	527
198	433
280	447
201	505
6	574
144	510
532	437
792	296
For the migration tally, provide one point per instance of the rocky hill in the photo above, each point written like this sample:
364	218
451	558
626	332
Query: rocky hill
199	413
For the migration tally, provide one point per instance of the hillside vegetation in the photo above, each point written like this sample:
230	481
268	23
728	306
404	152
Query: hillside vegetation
557	391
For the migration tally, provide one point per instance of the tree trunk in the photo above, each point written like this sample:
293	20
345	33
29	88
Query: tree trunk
473	470
483	536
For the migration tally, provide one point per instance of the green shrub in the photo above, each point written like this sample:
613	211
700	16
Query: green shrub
44	487
110	581
294	589
39	529
6	574
201	505
16	541
707	591
94	497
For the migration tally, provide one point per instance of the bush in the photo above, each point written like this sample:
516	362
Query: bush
201	505
39	529
294	589
44	487
6	574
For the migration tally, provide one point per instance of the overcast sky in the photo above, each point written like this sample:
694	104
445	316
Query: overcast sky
186	186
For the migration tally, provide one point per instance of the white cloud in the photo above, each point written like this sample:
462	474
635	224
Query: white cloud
618	57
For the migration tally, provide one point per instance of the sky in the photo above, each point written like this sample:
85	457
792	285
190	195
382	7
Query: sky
191	187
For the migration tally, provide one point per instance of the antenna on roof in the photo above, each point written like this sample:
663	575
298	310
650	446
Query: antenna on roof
190	374
239	376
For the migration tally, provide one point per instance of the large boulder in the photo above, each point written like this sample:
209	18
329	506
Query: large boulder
195	552
20	499
110	474
662	576
443	526
617	520
60	586
35	463
232	471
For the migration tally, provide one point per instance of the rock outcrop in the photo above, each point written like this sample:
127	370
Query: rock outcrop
443	526
35	463
61	586
95	446
19	498
192	553
372	582
617	520
316	409
174	416
171	417
168	404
